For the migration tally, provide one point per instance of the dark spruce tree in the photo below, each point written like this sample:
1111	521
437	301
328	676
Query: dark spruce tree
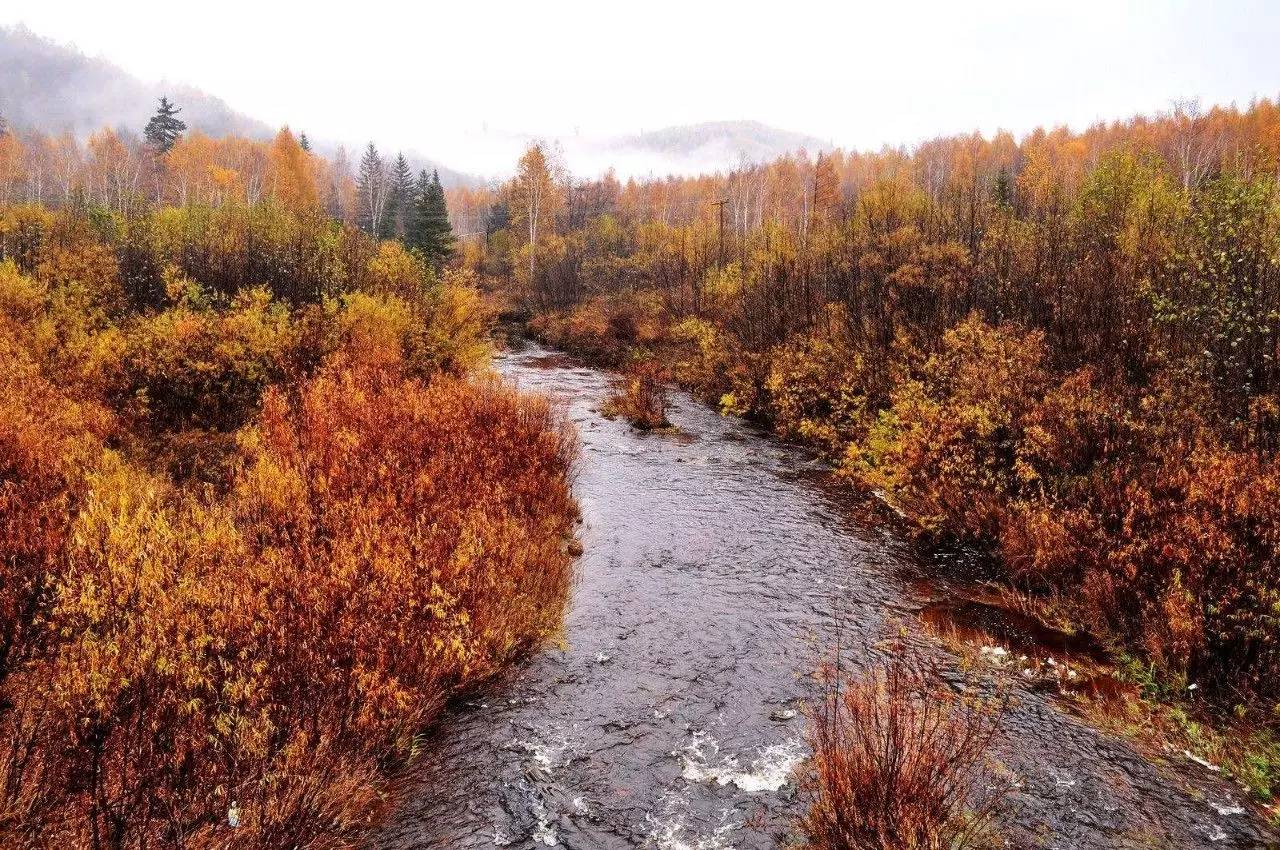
165	128
1002	189
304	143
431	232
416	237
398	210
498	217
402	178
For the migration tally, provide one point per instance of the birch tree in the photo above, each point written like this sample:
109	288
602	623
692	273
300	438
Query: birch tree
535	196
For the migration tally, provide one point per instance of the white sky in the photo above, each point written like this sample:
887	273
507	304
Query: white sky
460	80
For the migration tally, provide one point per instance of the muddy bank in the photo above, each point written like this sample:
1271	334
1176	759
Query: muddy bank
718	570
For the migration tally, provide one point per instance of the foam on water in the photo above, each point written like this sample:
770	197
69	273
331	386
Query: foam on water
545	756
672	833
769	771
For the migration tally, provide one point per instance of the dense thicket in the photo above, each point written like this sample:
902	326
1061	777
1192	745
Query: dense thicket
258	519
1062	349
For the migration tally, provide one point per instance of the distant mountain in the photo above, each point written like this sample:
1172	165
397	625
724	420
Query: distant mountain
55	88
716	145
48	86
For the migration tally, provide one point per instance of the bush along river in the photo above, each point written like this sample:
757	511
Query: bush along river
720	569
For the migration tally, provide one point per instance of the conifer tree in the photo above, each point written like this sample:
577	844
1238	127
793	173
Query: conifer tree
372	189
165	128
497	218
304	143
1002	190
416	237
431	232
398	210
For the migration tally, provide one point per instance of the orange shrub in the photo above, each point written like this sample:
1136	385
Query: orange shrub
384	542
23	230
944	449
639	395
376	615
48	442
816	388
123	715
87	273
204	368
900	763
604	328
1195	567
584	330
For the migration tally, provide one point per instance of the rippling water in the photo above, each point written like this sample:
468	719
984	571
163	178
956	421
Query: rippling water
719	569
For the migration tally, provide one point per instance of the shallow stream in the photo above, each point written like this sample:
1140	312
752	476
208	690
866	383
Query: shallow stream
720	568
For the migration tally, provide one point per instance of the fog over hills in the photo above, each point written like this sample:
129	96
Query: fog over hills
686	149
48	86
56	88
692	148
717	142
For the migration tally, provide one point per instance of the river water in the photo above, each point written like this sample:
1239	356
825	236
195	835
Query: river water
720	568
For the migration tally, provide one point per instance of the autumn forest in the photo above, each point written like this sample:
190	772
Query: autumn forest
268	514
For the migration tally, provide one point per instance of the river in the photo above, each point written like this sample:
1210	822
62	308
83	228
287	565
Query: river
720	568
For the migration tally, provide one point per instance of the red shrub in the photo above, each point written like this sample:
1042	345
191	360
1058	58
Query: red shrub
900	764
639	395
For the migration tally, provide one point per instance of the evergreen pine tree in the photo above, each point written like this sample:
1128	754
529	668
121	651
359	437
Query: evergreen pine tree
403	176
416	236
372	189
165	128
304	143
431	232
497	218
1002	190
398	211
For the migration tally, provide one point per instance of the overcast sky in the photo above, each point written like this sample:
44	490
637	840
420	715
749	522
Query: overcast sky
452	79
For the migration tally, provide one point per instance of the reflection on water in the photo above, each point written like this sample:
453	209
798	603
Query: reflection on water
720	567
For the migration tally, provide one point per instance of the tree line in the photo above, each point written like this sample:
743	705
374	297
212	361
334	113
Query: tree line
1061	349
169	166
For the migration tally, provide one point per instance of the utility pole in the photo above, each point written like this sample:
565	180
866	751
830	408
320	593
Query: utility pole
721	204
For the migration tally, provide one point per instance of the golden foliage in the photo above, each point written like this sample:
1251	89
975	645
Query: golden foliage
1061	350
639	395
171	650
